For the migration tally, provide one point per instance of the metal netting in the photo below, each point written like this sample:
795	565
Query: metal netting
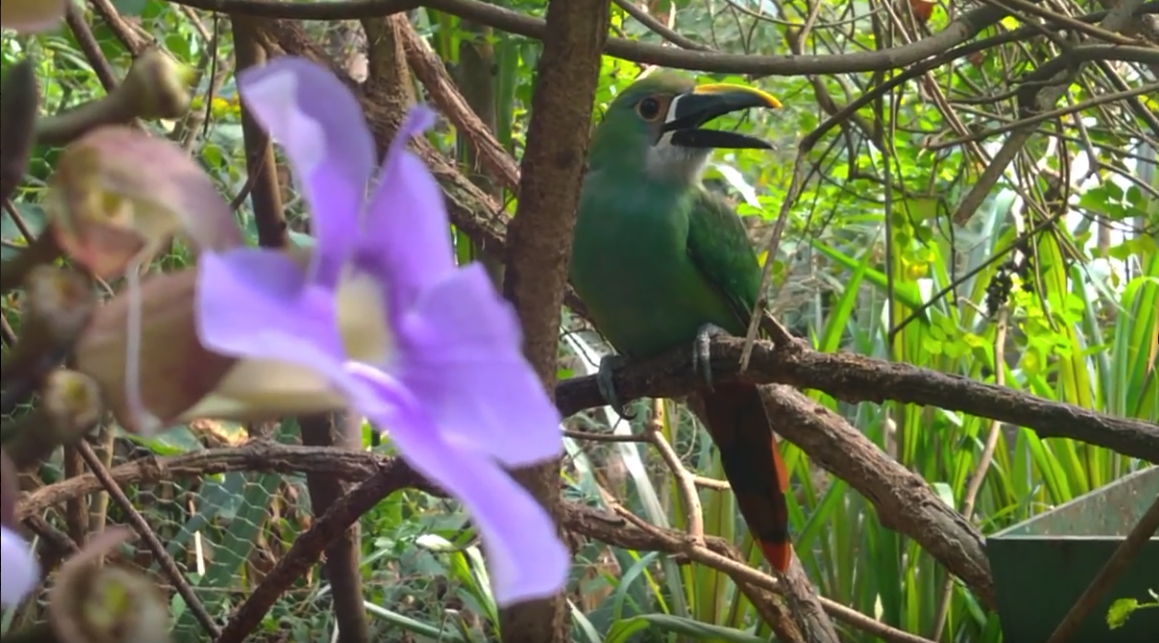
223	531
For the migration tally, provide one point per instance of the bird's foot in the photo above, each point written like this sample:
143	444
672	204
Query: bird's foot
702	351
604	379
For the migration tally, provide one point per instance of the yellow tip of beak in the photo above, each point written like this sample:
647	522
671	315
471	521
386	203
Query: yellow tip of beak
722	88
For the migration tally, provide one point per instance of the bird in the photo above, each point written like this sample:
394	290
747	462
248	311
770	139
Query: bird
661	262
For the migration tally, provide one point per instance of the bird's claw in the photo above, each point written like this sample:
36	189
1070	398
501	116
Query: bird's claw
604	379
702	351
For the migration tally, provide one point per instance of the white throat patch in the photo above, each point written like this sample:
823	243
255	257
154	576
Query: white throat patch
668	161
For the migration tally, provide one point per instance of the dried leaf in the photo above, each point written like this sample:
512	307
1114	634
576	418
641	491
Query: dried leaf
922	9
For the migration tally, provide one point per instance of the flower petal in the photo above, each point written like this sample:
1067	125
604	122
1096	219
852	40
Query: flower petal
407	237
174	368
264	390
525	556
319	123
20	570
257	304
461	355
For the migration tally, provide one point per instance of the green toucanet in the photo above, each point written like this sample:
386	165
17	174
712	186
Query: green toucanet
661	262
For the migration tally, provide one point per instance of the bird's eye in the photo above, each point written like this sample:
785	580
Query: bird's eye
649	109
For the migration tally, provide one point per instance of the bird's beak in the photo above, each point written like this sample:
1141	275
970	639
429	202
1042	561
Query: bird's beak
688	111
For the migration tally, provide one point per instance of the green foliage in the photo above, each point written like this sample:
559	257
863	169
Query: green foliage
1123	608
867	246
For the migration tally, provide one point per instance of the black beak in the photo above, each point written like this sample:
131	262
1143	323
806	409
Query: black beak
697	107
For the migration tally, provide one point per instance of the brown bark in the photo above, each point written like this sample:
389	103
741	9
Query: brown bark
539	249
856	378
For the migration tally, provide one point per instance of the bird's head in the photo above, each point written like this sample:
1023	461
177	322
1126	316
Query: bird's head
657	124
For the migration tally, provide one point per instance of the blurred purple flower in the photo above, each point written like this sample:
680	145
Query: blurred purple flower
20	571
426	351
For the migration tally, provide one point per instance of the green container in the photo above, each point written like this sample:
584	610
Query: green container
1043	565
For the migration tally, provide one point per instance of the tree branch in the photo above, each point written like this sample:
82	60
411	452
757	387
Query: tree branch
904	501
471	210
256	455
539	250
855	378
622	530
968	25
432	73
658	28
370	468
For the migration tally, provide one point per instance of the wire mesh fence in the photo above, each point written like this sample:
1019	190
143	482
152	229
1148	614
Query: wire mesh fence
212	517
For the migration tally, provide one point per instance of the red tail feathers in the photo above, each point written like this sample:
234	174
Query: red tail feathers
752	463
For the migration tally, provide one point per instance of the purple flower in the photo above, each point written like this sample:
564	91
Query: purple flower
428	352
20	570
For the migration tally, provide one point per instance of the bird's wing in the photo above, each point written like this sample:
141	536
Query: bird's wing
719	246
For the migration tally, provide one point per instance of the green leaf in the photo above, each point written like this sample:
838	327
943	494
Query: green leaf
622	630
932	345
174	441
1138	246
1120	611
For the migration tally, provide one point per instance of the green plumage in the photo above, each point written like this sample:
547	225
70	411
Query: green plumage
656	256
656	261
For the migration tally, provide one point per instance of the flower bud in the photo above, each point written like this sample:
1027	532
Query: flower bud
173	372
31	15
93	603
158	86
72	400
119	194
58	306
61	300
70	406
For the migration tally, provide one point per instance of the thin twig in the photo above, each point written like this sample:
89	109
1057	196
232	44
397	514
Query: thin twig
654	431
90	47
657	27
603	437
141	526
